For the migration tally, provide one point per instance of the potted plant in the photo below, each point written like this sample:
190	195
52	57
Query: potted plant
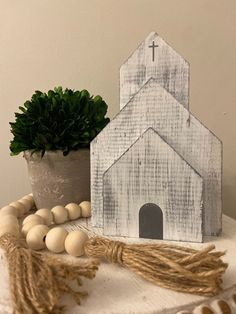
54	131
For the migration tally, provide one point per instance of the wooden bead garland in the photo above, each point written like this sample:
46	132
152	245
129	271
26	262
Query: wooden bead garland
8	218
74	242
36	237
26	203
33	217
20	208
55	240
38	280
30	198
216	305
154	262
9	224
10	227
35	226
6	210
74	211
46	214
85	209
60	214
30	224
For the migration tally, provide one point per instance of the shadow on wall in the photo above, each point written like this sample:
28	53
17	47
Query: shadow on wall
229	195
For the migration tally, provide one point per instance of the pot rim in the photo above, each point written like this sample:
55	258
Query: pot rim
55	154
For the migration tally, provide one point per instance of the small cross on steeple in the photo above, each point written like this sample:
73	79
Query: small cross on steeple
153	46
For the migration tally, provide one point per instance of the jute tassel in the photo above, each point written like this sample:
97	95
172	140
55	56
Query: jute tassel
37	280
169	266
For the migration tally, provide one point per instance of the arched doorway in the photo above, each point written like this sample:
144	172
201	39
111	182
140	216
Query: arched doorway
150	221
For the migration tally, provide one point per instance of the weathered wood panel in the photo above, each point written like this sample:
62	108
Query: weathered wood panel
154	58
154	107
150	171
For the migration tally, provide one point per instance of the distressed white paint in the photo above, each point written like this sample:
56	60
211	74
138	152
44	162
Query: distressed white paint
154	107
116	290
150	171
168	68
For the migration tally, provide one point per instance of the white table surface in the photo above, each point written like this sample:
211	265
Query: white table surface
116	290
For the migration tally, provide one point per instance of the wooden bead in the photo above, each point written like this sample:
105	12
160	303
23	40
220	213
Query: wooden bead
46	214
6	210
33	217
85	209
29	225
36	237
221	306
74	243
74	211
11	228
20	207
30	198
26	203
55	240
8	218
60	214
203	309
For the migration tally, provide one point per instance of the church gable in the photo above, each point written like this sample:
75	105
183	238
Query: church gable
151	172
154	58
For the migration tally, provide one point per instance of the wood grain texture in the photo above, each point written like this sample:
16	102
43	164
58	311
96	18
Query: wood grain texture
150	171
168	68
154	107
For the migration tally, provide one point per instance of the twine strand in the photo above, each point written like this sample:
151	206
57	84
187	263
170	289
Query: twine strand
37	280
169	266
114	251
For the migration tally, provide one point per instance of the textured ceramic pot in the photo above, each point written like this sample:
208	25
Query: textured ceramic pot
58	180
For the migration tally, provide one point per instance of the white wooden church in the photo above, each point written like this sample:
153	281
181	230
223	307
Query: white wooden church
156	170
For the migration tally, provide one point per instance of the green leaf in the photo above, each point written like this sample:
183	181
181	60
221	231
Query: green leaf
59	119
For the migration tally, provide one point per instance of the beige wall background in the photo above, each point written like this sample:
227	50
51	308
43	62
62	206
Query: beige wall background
82	43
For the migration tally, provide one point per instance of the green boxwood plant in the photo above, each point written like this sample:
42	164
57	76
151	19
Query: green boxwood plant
58	120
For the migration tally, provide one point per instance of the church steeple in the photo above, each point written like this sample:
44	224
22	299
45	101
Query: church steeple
154	58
